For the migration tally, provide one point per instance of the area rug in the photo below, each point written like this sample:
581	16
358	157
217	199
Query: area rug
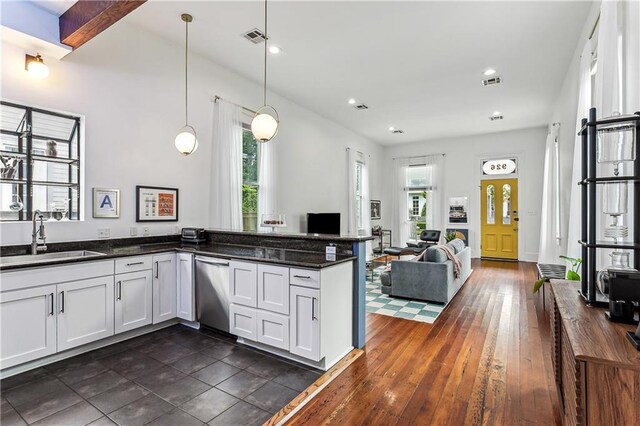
378	303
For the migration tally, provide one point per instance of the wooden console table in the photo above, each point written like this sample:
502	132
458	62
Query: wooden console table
597	370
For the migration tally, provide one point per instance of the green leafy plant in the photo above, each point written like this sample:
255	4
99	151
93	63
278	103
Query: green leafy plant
450	236
572	274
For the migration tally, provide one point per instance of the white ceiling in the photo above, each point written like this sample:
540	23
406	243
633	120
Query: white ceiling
417	65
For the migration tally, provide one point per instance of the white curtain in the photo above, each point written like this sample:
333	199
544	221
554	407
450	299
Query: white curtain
400	225
353	227
584	103
550	232
267	181
226	167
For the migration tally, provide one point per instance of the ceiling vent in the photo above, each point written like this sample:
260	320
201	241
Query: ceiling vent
492	81
361	106
255	36
496	117
397	132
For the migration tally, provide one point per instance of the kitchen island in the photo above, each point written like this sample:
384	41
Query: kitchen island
313	283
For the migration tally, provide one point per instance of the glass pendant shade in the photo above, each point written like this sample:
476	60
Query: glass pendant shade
614	198
186	141
616	143
264	126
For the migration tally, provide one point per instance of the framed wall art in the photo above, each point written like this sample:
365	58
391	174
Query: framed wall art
156	204
375	209
458	210
106	203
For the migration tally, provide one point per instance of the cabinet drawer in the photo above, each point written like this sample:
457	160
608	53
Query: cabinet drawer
242	321
133	264
273	329
304	277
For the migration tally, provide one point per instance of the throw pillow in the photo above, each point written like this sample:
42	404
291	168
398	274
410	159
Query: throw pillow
457	245
435	254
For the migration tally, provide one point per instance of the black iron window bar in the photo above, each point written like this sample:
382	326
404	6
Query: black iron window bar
25	137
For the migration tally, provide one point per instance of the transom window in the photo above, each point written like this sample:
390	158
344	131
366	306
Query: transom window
40	163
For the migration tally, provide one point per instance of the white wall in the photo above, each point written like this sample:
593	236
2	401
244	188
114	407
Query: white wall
128	84
462	175
565	112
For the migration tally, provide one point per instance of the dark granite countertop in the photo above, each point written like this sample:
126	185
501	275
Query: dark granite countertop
288	257
293	235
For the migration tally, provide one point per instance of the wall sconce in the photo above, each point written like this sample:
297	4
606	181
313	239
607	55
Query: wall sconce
36	66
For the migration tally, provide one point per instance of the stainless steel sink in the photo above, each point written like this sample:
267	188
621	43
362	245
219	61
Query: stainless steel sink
46	257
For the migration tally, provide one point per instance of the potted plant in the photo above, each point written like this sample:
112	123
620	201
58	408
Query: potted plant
572	273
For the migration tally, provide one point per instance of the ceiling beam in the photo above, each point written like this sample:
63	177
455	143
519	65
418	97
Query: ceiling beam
88	18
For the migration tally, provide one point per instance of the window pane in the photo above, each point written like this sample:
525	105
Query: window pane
249	207
506	204
10	201
11	118
249	158
52	126
491	205
417	176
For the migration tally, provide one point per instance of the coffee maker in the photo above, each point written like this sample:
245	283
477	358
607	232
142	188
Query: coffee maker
624	296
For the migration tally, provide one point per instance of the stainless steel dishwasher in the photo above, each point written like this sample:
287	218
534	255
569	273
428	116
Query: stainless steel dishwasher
212	292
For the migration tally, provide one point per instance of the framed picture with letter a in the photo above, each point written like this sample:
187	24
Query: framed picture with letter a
106	203
155	204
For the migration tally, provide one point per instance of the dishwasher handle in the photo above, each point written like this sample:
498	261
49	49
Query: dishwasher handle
211	262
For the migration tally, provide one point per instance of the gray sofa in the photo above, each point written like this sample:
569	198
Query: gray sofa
430	278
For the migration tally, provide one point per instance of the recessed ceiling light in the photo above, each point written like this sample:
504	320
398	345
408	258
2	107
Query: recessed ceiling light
351	101
496	113
391	129
489	71
275	50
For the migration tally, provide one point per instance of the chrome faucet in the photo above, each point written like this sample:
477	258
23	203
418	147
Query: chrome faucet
38	234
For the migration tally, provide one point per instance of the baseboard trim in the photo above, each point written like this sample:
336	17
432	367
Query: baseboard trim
289	410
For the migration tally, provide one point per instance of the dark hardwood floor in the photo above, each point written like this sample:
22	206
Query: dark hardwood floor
486	360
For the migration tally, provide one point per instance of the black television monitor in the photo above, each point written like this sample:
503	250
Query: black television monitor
323	223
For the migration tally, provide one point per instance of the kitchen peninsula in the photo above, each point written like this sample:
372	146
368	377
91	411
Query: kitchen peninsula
138	285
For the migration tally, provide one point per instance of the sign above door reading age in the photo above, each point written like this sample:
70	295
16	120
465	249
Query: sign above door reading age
506	166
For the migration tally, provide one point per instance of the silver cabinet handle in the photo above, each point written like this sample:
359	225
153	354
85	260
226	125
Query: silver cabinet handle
62	302
119	290
157	269
313	309
211	262
306	277
51	311
135	263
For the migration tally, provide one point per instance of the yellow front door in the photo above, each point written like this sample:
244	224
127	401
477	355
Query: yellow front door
499	216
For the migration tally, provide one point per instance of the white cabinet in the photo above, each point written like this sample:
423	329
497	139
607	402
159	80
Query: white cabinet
304	327
186	287
164	287
27	325
133	300
243	287
273	288
272	329
85	311
242	321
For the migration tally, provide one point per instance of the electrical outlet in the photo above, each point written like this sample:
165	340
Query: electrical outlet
104	233
133	231
176	229
145	230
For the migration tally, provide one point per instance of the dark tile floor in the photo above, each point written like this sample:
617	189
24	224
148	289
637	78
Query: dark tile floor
175	376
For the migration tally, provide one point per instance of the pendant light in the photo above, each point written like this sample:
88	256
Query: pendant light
264	125
186	141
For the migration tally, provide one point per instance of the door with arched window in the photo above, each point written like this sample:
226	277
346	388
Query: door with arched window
499	219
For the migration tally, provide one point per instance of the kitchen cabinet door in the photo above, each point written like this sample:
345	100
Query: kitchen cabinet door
27	325
243	283
273	329
164	287
304	318
133	300
85	311
242	321
273	288
186	287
